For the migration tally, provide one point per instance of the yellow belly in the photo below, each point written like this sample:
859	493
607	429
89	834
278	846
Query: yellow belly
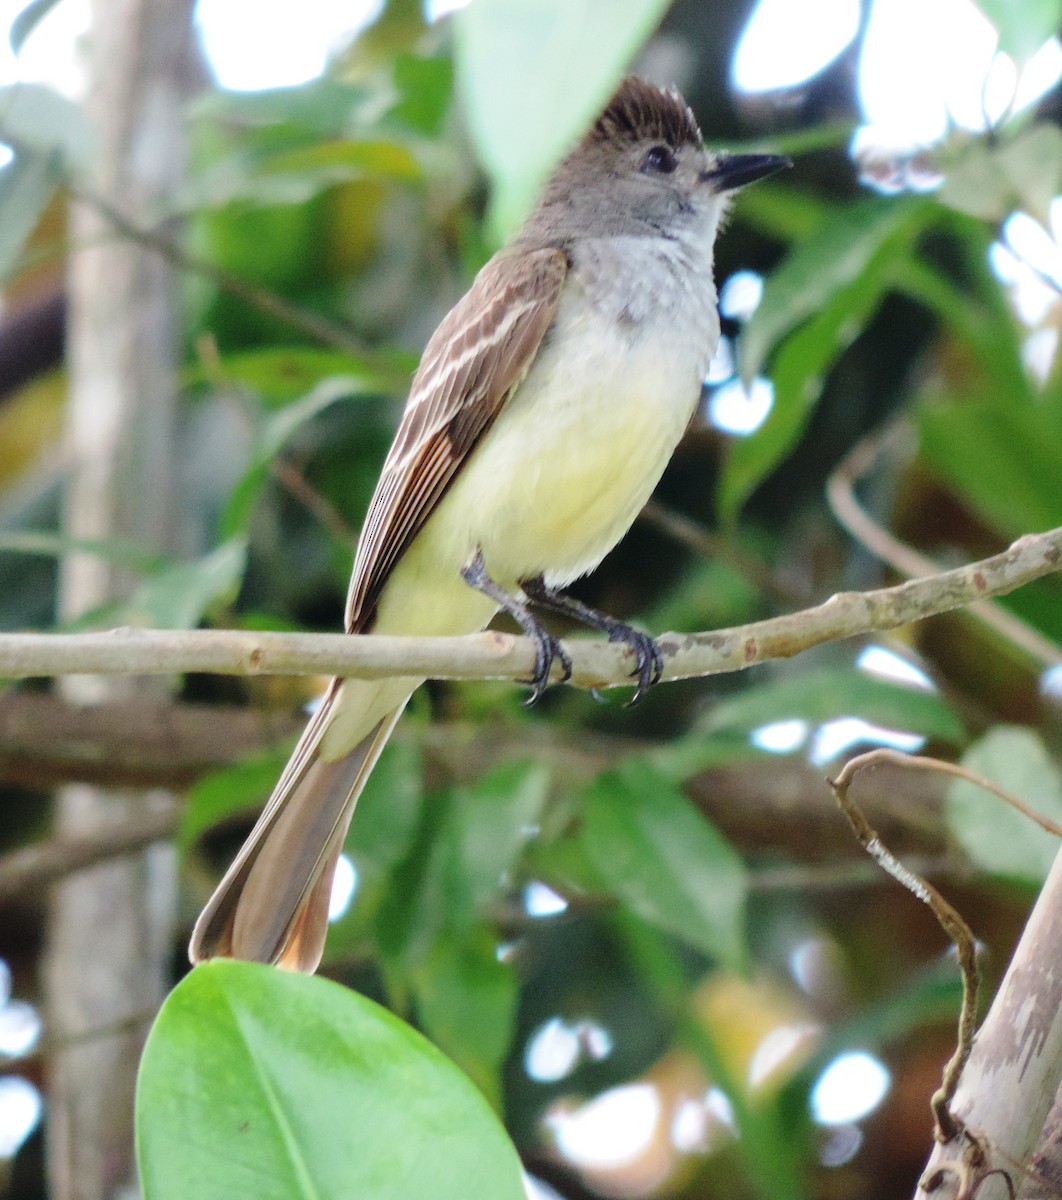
552	487
555	483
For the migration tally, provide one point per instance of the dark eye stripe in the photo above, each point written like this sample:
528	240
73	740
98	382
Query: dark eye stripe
659	160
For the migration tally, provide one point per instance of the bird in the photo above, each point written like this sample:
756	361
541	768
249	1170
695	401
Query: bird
545	408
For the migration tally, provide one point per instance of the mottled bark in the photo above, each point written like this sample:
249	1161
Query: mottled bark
110	927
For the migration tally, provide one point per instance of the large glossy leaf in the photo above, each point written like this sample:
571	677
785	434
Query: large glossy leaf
260	1085
662	858
532	74
994	835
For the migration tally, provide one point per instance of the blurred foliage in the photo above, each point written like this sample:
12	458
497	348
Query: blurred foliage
626	880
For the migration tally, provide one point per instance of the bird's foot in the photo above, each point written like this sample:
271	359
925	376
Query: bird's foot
548	649
649	663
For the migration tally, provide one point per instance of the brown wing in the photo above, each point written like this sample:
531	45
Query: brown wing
475	360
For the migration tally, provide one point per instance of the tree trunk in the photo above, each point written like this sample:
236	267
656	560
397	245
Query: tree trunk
110	928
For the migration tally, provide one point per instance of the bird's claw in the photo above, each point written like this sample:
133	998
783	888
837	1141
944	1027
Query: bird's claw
649	662
547	651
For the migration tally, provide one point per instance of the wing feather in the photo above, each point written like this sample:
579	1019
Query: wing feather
478	356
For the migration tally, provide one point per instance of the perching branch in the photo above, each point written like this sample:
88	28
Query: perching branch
501	656
841	496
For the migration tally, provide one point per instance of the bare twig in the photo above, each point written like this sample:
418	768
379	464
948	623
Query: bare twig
501	656
948	917
331	519
840	492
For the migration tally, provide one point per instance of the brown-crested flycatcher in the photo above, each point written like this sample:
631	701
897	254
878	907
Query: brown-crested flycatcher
543	413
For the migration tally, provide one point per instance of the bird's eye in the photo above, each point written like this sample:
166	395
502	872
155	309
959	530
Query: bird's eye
659	160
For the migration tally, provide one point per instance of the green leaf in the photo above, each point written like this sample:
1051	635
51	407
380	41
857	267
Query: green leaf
997	455
26	186
663	859
426	87
381	836
994	835
294	175
180	595
815	305
532	74
823	266
387	814
978	314
464	850
28	20
36	118
279	375
1024	25
276	430
256	1084
990	180
493	819
343	159
241	788
424	891
798	374
822	695
466	1003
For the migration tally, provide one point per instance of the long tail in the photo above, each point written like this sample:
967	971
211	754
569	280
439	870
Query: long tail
272	904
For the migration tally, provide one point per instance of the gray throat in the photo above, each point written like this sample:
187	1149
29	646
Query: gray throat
644	282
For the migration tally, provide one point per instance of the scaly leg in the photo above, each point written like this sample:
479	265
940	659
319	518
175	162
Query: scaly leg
649	665
547	647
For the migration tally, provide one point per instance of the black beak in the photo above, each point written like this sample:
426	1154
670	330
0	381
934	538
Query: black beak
733	171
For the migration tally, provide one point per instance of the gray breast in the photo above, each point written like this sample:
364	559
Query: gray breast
643	283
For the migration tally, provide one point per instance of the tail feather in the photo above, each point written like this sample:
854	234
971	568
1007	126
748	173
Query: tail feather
272	904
